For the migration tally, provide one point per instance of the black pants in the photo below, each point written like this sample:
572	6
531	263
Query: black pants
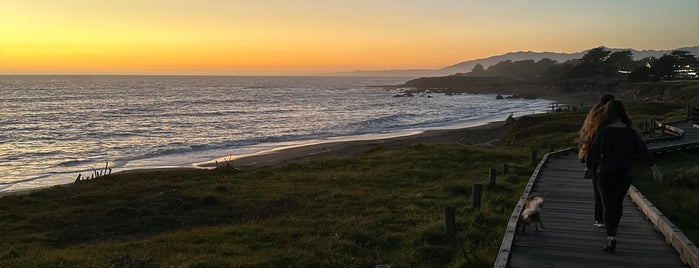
599	210
613	185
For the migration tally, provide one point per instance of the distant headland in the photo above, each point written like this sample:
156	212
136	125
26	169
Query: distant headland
466	66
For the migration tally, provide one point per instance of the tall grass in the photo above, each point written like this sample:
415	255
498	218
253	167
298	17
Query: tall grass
678	195
383	207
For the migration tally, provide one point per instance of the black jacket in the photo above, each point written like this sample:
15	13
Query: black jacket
617	147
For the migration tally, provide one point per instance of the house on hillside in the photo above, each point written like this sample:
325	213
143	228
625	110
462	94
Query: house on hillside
685	71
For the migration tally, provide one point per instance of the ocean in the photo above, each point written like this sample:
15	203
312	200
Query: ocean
53	128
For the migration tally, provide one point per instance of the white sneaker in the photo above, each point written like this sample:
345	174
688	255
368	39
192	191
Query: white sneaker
598	224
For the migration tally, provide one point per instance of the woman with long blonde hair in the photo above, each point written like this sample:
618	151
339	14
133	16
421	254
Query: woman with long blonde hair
592	122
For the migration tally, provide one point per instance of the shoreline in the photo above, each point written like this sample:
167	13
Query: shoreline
479	133
482	134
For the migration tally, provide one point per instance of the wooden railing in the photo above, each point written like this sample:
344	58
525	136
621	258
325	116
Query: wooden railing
689	253
687	250
503	258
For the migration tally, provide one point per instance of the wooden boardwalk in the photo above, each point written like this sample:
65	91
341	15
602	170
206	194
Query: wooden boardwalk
569	239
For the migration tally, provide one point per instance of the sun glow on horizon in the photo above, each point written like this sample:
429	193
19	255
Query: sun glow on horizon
231	37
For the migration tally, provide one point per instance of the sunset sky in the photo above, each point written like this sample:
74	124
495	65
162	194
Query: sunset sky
315	36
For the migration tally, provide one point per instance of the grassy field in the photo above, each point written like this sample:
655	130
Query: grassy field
383	207
678	195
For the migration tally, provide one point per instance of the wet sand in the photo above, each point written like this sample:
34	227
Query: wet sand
483	135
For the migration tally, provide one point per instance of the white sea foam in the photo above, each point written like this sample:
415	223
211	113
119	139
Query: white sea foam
54	127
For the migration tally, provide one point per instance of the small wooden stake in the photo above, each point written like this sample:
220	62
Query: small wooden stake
493	174
450	220
476	190
534	160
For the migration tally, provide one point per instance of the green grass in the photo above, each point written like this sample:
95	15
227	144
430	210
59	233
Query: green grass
561	129
385	206
678	195
537	132
672	91
659	111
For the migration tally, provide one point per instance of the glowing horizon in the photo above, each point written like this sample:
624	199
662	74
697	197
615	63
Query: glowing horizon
304	37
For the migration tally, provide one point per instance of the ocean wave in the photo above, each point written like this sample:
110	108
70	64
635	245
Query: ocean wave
4	185
384	122
74	163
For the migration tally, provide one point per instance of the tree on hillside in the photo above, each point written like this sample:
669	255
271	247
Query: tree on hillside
543	65
592	63
664	66
683	57
582	70
558	71
596	55
641	74
478	69
620	60
645	62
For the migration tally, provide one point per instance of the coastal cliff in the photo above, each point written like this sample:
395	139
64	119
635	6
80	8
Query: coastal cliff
682	91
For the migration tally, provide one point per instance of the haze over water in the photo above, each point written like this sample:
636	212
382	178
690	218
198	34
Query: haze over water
54	127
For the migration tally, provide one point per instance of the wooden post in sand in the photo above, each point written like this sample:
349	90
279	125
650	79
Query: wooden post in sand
450	221
476	195
492	176
534	161
505	169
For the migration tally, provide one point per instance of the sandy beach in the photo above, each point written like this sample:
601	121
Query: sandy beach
483	135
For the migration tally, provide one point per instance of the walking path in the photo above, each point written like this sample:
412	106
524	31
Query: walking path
569	239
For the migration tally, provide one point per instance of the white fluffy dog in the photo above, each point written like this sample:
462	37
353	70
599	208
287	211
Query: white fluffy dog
532	212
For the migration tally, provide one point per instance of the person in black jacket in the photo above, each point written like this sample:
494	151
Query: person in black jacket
592	122
612	152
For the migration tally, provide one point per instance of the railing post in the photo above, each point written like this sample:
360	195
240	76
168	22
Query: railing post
534	161
476	195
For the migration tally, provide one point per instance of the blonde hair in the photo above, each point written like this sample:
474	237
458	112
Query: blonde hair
592	122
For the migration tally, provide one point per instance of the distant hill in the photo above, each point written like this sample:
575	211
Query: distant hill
466	66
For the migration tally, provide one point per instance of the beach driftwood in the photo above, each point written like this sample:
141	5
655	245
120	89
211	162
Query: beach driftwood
95	173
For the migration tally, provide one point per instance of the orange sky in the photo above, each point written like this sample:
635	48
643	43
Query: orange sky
306	37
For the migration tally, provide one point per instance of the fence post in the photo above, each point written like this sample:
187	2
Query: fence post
505	169
492	176
534	162
551	147
450	221
476	195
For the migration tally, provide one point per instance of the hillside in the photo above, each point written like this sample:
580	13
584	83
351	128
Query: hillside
569	89
466	66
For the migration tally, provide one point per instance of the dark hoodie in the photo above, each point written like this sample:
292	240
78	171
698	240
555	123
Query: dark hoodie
617	146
